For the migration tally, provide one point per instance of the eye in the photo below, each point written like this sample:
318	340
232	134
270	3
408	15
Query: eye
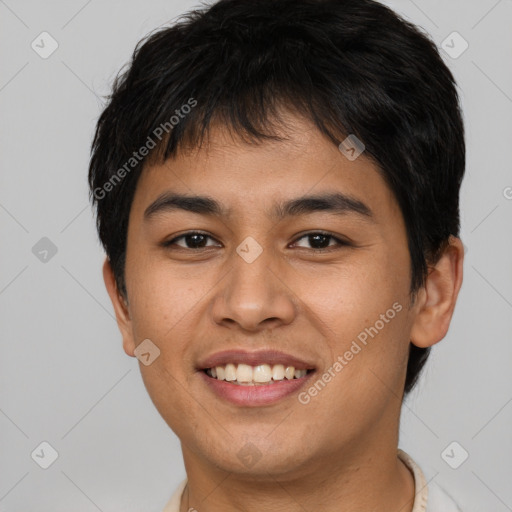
191	240
320	241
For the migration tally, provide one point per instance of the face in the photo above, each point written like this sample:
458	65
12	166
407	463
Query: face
319	284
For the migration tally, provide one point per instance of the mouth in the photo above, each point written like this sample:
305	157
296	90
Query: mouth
254	378
242	374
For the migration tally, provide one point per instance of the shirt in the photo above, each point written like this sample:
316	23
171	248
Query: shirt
431	498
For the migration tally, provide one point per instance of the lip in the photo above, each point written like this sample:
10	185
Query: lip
255	358
255	396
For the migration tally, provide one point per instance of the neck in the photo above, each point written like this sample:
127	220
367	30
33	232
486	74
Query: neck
361	480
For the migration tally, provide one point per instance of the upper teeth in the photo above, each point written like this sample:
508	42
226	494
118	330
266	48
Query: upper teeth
249	375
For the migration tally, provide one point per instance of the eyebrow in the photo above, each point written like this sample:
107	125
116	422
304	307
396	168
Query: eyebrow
336	203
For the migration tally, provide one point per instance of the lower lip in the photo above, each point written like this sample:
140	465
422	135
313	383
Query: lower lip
258	395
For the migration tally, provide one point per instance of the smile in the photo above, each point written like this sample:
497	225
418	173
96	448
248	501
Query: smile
264	374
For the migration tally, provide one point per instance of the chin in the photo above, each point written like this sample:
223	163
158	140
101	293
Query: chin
259	459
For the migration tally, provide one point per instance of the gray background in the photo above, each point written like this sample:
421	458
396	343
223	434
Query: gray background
64	377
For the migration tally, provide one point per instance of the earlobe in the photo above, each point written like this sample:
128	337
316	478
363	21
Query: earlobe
121	309
439	296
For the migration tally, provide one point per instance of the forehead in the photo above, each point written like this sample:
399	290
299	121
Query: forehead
254	176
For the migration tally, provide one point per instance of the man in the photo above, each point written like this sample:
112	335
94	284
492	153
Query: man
276	185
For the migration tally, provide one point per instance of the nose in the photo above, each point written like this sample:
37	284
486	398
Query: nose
254	295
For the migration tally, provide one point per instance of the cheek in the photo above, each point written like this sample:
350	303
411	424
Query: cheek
164	309
161	299
361	311
353	294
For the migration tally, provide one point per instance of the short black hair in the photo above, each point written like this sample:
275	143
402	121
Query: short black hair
348	66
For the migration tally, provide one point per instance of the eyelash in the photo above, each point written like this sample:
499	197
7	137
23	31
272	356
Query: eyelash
340	242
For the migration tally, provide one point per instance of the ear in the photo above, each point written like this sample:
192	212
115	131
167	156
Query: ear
120	307
436	300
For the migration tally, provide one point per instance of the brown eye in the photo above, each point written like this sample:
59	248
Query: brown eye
319	241
192	240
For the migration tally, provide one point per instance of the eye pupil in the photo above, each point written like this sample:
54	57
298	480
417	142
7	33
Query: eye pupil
319	241
198	240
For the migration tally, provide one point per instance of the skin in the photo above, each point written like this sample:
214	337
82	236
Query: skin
341	446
